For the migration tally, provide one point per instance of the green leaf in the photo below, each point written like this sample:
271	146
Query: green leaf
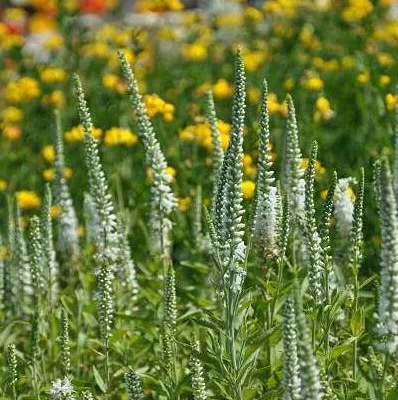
98	379
357	323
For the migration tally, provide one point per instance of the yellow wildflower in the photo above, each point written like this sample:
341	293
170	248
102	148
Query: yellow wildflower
119	136
384	80
322	109
253	60
23	89
55	211
289	84
40	23
11	115
28	199
184	203
222	89
156	105
363	78
76	134
312	82
51	75
12	132
48	153
55	99
248	188
357	10
110	81
194	52
385	59
254	95
49	174
3	185
391	101
253	14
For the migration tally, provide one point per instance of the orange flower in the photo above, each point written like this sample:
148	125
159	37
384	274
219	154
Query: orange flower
97	7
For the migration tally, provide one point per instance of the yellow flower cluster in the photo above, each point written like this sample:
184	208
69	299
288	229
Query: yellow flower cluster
286	8
391	101
364	77
319	168
254	59
28	199
248	167
21	90
55	99
194	52
8	41
52	75
201	134
158	5
248	189
11	115
312	82
222	89
357	10
274	107
156	105
76	134
120	136
323	110
184	203
48	174
48	153
169	171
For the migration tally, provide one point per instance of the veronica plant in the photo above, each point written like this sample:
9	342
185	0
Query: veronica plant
162	201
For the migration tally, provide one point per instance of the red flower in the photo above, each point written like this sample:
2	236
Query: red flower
97	7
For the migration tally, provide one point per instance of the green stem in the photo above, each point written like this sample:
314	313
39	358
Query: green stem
107	380
355	343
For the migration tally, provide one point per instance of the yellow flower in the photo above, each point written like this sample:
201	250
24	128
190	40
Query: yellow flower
194	52
391	101
385	59
55	99
253	14
28	199
3	185
323	110
49	174
202	135
11	115
254	95
156	105
289	84
76	134
23	89
319	169
171	173
40	23
222	89
324	193
253	60
312	82
12	132
384	80
48	153
51	75
248	188
54	42
55	211
110	81
119	136
357	10
363	78
184	203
